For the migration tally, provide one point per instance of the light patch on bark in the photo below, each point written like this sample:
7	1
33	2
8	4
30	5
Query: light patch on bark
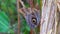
48	17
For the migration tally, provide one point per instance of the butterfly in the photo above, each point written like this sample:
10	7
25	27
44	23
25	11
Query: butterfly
32	16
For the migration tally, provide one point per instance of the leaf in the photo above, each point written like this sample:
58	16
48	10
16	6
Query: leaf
24	27
4	22
28	28
13	1
4	6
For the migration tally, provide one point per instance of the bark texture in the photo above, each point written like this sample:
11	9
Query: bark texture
48	24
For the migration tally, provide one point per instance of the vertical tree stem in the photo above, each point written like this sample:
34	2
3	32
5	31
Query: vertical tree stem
48	17
18	17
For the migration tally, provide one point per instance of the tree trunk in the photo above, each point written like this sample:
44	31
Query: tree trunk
48	24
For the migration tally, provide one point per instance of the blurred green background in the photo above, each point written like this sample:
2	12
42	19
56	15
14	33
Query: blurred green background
9	17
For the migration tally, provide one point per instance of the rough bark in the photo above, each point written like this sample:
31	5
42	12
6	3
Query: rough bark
48	25
58	17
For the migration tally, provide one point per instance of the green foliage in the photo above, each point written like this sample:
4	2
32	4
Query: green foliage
24	27
7	9
4	22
